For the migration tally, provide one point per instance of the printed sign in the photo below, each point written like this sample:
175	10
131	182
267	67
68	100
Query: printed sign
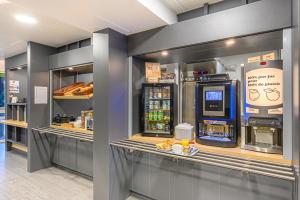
254	59
252	110
40	95
264	87
153	72
14	86
267	57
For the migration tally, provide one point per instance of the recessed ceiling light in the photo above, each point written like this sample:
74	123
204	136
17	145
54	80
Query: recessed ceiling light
70	68
26	19
19	68
230	42
242	65
164	53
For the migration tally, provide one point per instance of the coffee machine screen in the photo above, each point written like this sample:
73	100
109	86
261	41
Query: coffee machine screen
214	101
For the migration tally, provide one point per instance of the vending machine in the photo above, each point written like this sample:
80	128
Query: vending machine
158	109
217	111
263	107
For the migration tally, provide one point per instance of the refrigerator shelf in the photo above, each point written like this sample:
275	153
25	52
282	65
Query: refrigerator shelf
157	132
160	99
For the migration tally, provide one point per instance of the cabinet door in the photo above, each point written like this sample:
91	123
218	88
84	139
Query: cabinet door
85	157
140	173
236	185
67	153
160	169
54	141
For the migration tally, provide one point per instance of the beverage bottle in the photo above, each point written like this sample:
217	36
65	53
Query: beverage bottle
146	116
150	93
150	115
159	93
155	115
161	115
158	115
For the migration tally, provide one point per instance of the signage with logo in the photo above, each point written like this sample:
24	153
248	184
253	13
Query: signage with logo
264	88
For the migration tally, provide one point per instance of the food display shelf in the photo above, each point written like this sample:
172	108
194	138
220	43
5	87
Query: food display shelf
65	133
264	168
73	97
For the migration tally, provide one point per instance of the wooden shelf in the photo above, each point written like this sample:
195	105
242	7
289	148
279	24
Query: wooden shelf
21	124
79	130
236	152
16	104
19	147
72	97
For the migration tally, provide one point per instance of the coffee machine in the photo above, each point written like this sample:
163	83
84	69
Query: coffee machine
263	107
217	110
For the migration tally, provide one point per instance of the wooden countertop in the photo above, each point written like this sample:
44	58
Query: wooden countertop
80	130
237	151
21	124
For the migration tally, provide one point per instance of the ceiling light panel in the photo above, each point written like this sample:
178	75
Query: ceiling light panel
25	19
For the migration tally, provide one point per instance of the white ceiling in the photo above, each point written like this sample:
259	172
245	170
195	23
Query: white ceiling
65	21
180	6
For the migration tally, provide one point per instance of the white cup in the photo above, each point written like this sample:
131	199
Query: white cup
177	148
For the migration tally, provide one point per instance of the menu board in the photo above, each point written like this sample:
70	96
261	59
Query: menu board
153	72
264	88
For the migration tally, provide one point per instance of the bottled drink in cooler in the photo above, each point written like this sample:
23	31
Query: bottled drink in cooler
150	116
155	115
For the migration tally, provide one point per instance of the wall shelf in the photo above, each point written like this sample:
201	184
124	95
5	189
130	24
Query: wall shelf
19	147
16	104
73	97
20	124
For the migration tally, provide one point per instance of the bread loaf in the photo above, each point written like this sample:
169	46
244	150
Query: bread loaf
86	90
70	88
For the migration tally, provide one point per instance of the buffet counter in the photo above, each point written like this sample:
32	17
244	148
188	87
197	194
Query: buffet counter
212	173
236	152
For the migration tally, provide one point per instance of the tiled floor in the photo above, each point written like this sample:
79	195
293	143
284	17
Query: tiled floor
48	184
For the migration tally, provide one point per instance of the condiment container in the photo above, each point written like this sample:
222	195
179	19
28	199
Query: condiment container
184	131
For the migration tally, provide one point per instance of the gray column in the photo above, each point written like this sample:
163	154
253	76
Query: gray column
38	114
111	180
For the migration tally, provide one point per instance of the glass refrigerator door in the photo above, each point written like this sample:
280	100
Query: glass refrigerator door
157	107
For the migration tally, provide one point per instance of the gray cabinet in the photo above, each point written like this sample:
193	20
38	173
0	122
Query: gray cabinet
72	154
67	152
236	185
140	173
160	170
85	157
163	178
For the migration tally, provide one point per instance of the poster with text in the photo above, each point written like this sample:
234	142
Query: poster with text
153	72
264	87
14	87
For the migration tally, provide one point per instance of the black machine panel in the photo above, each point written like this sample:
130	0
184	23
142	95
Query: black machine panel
217	112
